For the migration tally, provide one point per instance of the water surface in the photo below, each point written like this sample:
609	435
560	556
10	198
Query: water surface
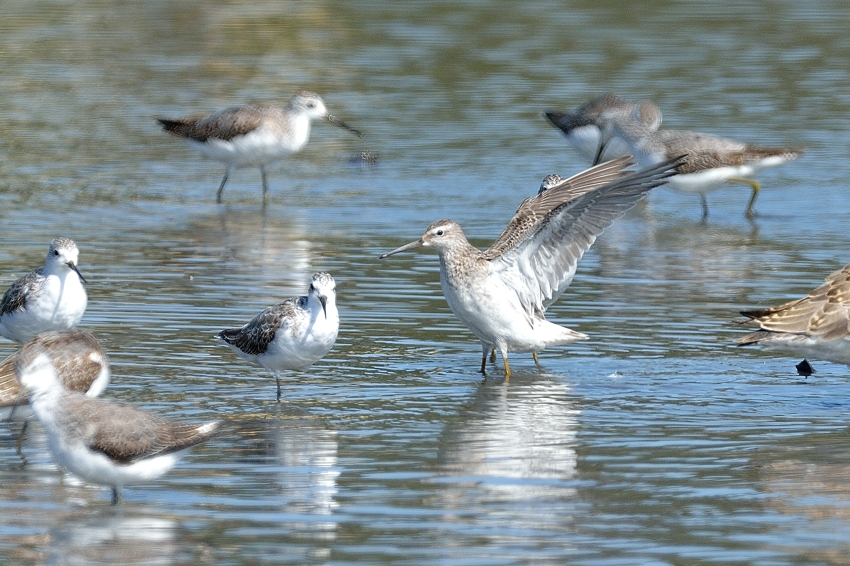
655	441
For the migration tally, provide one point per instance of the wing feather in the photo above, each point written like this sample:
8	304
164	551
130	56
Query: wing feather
533	210
223	125
254	338
546	257
824	313
125	433
15	297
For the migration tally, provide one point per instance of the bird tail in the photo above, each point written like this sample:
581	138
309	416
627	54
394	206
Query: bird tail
176	127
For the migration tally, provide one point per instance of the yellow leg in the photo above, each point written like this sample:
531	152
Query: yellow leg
493	355
756	188
21	437
507	367
534	355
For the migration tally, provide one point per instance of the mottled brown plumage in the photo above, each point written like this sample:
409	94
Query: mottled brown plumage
124	433
824	313
76	355
709	161
223	125
501	294
532	210
703	151
253	136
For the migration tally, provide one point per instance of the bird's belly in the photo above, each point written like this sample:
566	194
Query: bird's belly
707	180
491	313
60	306
837	350
98	468
585	139
251	150
299	352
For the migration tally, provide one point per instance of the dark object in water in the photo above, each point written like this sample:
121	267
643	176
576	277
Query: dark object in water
804	368
364	159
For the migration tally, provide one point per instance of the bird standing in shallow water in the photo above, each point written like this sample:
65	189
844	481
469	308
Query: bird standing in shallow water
254	136
50	298
292	335
101	441
709	161
502	293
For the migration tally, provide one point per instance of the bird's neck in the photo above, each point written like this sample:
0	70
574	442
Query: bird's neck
460	260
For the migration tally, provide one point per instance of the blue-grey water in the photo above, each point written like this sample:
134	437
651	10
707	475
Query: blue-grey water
656	441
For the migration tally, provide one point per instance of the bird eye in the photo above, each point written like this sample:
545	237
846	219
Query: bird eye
55	252
311	104
439	232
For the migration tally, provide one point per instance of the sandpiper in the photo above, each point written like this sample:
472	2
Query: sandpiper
80	364
101	441
710	161
50	298
817	325
292	335
587	129
502	293
253	136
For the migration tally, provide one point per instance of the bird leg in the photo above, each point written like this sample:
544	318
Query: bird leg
265	184
756	188
534	355
21	437
507	366
116	495
221	186
277	377
493	356
486	350
704	206
600	150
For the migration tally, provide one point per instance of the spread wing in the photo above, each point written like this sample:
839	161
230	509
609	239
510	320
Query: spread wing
255	337
552	237
533	210
224	125
825	312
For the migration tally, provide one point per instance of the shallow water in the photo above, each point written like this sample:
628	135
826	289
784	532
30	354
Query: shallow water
655	441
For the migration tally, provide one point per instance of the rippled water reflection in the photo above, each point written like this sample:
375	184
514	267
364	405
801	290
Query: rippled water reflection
656	441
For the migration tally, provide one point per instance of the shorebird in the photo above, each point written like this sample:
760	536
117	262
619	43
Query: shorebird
502	293
101	441
80	364
253	136
710	161
50	298
817	325
292	335
588	128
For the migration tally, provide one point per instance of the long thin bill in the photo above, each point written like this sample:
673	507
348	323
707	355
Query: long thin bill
80	275
341	124
405	247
